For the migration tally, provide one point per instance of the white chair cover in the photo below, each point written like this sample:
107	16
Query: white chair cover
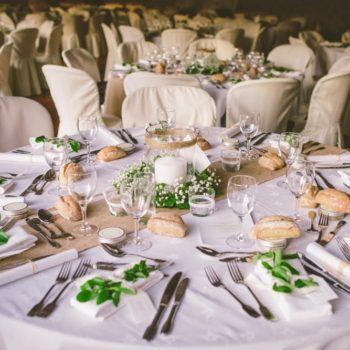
223	49
24	76
198	22
138	80
342	65
44	32
95	42
272	98
2	38
5	58
132	52
180	20
224	23
134	19
234	36
72	36
326	120
130	34
32	20
311	38
82	59
112	46
182	38
296	41
21	118
193	106
345	38
7	21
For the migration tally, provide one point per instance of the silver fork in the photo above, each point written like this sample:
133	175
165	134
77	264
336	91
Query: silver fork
62	277
216	282
237	277
322	225
343	247
79	272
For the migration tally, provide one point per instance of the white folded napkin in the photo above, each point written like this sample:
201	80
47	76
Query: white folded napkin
107	137
232	131
7	200
6	186
19	241
18	157
345	176
35	145
196	156
331	158
33	267
337	267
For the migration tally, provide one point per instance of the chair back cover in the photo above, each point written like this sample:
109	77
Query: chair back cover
234	36
82	59
134	19
73	31
44	32
21	118
327	120
32	20
342	65
130	34
95	41
182	38
74	93
272	98
112	48
24	76
193	106
7	21
5	58
139	80
223	49
345	38
311	38
132	52
53	47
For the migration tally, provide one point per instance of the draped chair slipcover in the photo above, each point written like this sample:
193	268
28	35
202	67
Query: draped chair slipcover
112	45
327	120
224	23
180	20
95	42
138	80
182	38
134	19
223	49
345	38
21	118
296	41
7	21
193	106
73	31
130	34
273	98
32	20
311	38
44	32
234	36
132	52
24	75
5	58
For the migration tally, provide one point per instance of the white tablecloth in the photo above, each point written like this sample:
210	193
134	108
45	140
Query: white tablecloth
208	317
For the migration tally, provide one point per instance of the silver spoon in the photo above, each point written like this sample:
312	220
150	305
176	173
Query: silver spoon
49	176
46	216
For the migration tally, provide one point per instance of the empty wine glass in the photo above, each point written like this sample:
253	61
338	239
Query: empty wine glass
55	153
82	186
249	126
166	116
136	197
300	176
241	194
88	128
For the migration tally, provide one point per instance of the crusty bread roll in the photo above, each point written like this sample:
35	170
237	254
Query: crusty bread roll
308	199
218	78
203	144
110	153
70	170
68	208
275	227
271	161
333	200
167	224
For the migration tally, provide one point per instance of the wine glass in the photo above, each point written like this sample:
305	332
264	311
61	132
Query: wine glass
136	197
82	186
249	126
300	176
166	116
241	194
55	153
88	128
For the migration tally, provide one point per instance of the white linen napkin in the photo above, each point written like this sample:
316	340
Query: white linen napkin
337	267
232	131
33	267
18	157
107	137
331	158
6	186
7	200
345	176
19	241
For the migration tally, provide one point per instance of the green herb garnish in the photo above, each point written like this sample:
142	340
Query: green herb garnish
3	237
140	270
300	283
2	180
74	144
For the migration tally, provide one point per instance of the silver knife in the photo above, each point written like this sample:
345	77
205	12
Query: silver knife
247	259
104	265
31	186
179	294
164	302
42	234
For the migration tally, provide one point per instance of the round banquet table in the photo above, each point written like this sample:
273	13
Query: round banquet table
208	317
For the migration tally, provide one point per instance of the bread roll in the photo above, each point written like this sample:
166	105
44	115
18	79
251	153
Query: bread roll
167	224
70	170
308	199
271	161
218	78
110	153
69	208
203	144
275	227
333	200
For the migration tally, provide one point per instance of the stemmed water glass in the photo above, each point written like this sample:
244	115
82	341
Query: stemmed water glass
249	126
82	186
136	197
166	116
88	128
241	194
300	176
55	153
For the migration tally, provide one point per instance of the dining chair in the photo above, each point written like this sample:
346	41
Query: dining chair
182	38
345	38
24	75
20	119
327	119
139	80
73	31
273	98
342	65
223	49
132	52
311	38
32	20
193	106
7	21
130	34
5	58
234	36
95	41
44	33
112	49
134	19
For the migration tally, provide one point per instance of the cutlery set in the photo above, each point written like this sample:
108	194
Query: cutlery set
214	253
39	183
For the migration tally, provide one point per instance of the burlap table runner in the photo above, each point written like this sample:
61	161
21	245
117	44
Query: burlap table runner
99	215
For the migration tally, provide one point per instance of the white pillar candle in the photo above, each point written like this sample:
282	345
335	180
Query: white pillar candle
168	170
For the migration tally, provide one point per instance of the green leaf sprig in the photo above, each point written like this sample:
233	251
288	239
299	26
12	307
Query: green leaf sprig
2	180
276	264
74	144
102	290
140	270
3	237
